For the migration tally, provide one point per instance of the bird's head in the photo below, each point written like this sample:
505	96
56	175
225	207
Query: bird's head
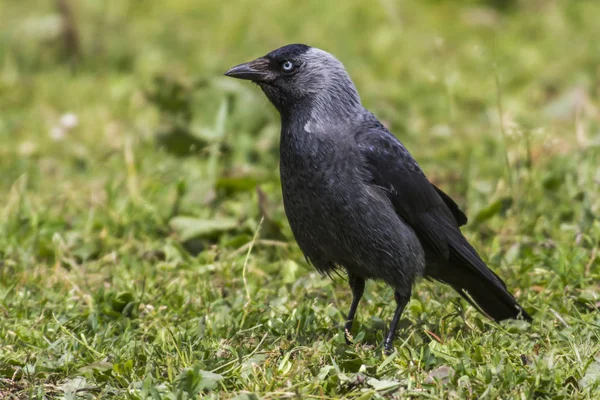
298	76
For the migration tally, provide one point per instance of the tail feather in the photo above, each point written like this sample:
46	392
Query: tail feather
494	301
475	282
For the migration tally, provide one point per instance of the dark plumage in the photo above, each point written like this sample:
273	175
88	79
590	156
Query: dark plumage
355	198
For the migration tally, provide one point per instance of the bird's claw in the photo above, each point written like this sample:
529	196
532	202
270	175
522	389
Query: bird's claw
348	336
388	347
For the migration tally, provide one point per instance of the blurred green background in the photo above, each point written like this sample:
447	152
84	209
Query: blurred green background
134	176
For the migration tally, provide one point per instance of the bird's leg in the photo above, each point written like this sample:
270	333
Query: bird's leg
357	285
401	302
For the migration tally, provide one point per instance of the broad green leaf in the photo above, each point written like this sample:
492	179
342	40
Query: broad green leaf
190	228
497	207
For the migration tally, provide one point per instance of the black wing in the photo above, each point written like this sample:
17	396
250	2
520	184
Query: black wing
432	214
415	199
435	218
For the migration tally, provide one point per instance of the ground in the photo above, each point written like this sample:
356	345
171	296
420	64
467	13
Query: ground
144	251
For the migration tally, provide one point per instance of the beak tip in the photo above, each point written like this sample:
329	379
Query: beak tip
252	71
233	72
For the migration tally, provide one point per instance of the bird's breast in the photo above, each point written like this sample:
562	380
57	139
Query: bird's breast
339	218
323	186
316	166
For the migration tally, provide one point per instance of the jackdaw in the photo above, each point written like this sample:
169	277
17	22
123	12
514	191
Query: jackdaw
356	199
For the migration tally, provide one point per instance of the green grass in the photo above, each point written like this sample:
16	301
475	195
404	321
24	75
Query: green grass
133	267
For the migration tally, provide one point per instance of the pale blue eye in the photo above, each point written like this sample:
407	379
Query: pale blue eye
287	66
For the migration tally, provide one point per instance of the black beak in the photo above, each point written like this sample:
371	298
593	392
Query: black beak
257	70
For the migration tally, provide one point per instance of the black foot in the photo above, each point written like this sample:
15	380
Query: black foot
401	302
358	286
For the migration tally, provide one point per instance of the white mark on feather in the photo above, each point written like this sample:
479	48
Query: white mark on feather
308	127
